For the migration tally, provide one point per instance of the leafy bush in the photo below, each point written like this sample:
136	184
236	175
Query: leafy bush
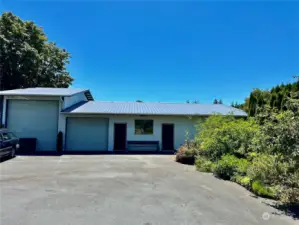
290	195
279	133
186	153
230	165
245	181
220	135
260	153
189	148
204	165
268	168
290	188
262	190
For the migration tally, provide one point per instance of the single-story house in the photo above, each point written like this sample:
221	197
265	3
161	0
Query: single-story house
89	125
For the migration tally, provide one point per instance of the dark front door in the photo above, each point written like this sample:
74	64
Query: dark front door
167	136
120	137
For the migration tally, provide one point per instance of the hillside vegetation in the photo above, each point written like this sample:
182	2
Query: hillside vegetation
260	152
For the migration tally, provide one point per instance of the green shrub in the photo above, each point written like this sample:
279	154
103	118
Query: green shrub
268	168
226	167
264	149
189	148
279	133
187	152
204	165
230	165
290	188
245	181
261	190
242	166
290	195
219	135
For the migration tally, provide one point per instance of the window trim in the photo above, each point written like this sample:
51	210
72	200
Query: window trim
143	133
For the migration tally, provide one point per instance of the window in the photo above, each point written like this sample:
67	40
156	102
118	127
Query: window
144	126
11	135
5	137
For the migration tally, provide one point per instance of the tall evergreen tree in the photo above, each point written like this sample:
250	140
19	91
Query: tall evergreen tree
276	97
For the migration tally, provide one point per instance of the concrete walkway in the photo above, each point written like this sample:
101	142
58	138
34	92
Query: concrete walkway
123	189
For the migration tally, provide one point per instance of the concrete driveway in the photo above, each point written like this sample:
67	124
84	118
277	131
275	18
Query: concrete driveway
123	190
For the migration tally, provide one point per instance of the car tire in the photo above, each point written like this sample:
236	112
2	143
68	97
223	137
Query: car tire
13	152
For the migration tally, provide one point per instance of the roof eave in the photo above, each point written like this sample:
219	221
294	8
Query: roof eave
142	114
87	94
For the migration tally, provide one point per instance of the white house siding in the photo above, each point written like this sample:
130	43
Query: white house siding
34	117
182	125
69	101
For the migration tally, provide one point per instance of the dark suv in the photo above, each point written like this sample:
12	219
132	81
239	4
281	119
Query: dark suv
9	143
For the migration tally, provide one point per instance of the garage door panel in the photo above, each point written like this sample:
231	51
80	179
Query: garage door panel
87	134
34	119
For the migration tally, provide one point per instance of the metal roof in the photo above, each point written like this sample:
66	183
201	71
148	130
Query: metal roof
147	108
38	91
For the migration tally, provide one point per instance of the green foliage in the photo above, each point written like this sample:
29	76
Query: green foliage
189	148
290	195
275	98
191	152
290	187
187	152
262	190
245	181
268	168
279	133
27	58
229	166
238	105
260	153
220	135
204	165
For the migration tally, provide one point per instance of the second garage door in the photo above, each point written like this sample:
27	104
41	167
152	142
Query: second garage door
87	134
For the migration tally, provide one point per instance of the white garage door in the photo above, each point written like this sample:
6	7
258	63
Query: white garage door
34	119
86	134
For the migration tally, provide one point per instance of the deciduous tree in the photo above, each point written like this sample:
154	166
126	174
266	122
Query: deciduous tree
27	58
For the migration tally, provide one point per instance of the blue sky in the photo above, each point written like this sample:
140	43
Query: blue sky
171	51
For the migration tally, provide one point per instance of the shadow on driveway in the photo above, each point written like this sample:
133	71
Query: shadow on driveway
289	210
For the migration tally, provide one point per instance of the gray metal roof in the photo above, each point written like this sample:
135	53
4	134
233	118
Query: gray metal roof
136	108
38	91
